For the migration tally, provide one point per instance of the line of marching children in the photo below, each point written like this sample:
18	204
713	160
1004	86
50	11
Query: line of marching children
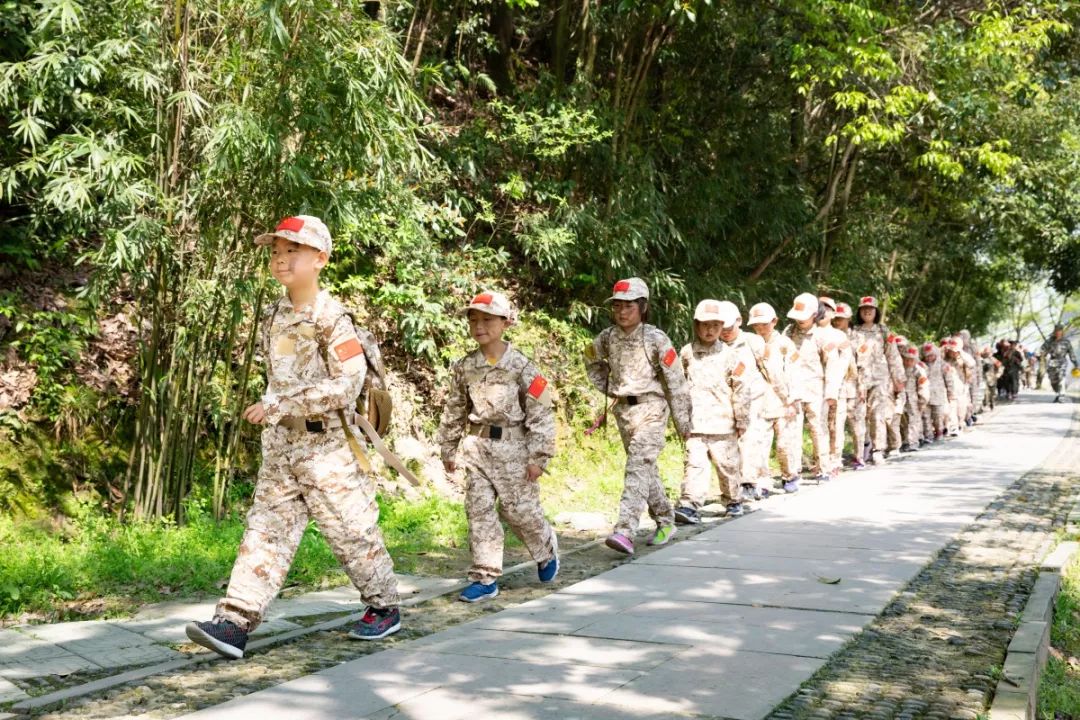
732	394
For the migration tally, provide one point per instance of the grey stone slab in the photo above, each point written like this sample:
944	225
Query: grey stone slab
1060	557
451	704
1040	604
1030	637
737	587
742	685
558	613
373	683
534	647
1011	705
729	629
68	664
10	692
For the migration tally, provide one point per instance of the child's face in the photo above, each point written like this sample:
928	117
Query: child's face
866	314
295	265
626	314
486	328
707	332
805	324
909	362
728	334
765	329
841	323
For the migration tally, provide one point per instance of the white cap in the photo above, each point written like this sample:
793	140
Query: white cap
804	307
843	310
492	303
629	289
715	310
302	229
827	302
761	313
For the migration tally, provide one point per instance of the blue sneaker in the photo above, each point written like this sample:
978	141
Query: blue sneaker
478	592
548	570
791	485
734	509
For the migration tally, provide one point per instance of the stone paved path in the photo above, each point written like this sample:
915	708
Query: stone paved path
726	624
37	652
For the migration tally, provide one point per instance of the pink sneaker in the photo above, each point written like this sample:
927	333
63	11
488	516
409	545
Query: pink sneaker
620	543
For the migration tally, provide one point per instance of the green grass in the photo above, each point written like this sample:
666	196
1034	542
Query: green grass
1059	687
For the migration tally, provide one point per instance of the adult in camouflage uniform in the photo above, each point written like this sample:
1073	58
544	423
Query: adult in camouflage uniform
499	412
316	366
1058	352
635	364
720	400
881	373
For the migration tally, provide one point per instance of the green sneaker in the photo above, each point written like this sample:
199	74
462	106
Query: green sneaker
662	535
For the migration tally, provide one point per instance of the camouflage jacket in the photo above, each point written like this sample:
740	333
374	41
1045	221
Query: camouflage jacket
315	359
622	364
1056	352
877	357
510	393
720	394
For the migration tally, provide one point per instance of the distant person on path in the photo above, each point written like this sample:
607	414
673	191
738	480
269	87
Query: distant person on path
635	364
311	463
721	392
1058	353
499	411
917	397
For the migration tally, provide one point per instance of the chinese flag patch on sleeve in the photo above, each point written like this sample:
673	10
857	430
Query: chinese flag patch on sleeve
738	371
670	356
350	353
539	391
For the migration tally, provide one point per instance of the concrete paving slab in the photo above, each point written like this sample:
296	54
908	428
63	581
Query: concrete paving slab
451	704
601	650
738	587
10	692
728	628
558	613
744	685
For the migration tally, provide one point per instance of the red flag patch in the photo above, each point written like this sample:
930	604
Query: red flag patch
621	286
537	386
669	357
482	299
863	348
868	300
738	370
348	349
292	224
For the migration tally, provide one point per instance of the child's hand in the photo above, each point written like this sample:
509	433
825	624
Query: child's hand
449	466
255	414
533	472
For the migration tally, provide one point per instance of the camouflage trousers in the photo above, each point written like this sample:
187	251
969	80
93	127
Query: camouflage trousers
876	414
976	397
307	475
856	414
496	487
989	396
894	423
834	419
1056	373
788	438
812	415
704	453
642	429
754	446
913	422
939	418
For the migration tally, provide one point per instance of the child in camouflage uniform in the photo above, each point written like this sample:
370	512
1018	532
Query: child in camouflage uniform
720	406
499	410
635	364
311	464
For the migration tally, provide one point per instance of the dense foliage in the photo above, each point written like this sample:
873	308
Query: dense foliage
926	152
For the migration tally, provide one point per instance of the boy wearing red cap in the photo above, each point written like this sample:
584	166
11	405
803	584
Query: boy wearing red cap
312	466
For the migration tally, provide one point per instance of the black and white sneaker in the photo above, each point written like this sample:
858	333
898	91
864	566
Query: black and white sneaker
225	638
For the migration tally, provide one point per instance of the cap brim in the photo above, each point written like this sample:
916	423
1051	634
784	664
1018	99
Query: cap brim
485	310
268	238
800	316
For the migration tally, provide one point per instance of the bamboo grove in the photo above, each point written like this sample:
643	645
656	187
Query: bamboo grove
927	151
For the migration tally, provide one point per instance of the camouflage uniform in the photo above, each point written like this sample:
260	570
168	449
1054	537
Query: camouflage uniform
941	391
720	398
834	419
316	365
751	351
513	396
816	375
1057	352
879	367
629	367
895	422
779	410
917	396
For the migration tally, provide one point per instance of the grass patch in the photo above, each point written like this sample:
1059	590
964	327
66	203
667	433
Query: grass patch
1059	686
